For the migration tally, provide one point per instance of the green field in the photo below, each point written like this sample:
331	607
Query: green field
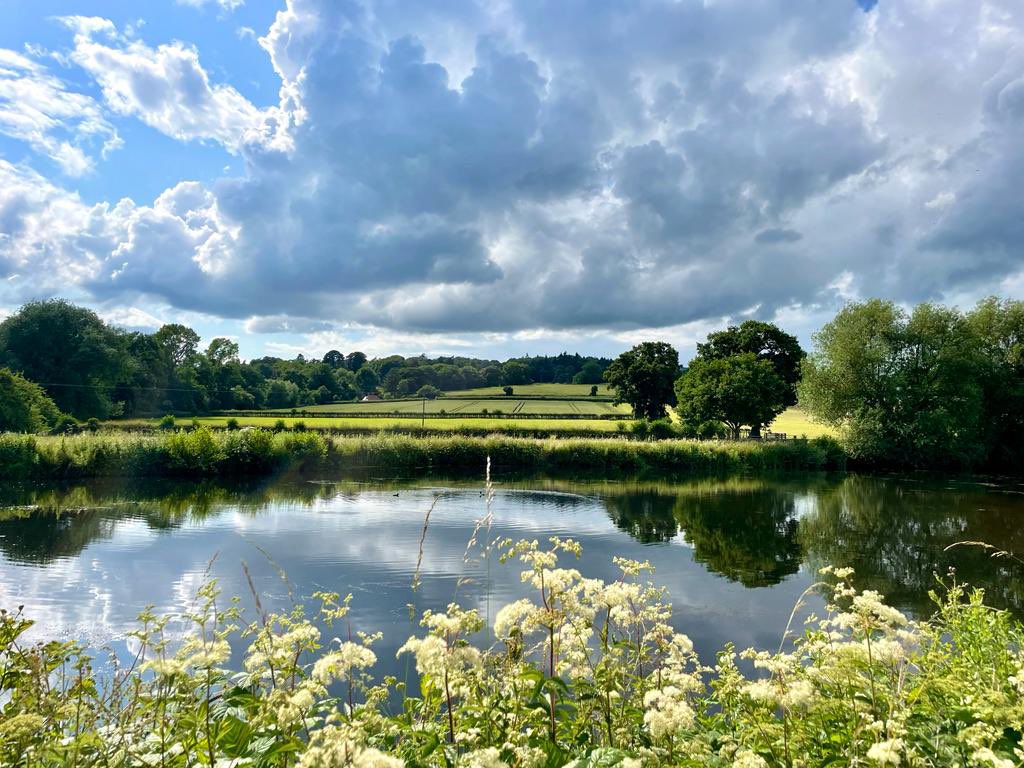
505	406
795	422
536	390
440	424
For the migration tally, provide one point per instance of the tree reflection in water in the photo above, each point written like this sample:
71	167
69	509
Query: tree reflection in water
895	531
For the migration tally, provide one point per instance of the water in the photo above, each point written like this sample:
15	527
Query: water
735	554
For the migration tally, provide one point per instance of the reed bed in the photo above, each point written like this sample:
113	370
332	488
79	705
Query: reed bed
204	452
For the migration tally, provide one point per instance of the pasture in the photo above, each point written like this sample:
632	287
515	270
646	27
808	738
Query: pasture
581	391
466	407
440	424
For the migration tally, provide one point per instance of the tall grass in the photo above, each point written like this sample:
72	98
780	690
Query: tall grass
206	452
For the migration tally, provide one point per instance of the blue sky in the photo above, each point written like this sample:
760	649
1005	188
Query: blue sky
453	176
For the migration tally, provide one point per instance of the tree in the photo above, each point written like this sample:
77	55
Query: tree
355	361
366	380
644	377
768	342
737	390
179	342
508	391
590	373
222	351
24	406
593	391
334	358
514	372
68	351
904	389
428	392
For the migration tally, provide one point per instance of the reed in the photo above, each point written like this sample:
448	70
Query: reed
205	452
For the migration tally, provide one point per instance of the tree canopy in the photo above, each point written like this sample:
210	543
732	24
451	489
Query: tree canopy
764	340
644	378
67	350
935	387
24	406
737	390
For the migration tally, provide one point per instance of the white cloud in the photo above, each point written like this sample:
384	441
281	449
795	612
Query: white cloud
39	109
167	88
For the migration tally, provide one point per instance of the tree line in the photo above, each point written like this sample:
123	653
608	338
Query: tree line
59	360
934	387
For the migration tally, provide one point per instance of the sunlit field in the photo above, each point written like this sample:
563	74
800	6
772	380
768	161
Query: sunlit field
795	422
440	424
483	405
533	390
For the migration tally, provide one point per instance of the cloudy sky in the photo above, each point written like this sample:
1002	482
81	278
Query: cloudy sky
494	178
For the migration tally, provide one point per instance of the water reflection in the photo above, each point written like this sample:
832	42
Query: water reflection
735	553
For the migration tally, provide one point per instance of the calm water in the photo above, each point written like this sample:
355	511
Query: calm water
735	554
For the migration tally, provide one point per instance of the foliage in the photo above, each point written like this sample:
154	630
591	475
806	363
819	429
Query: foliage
583	672
202	451
933	388
736	391
67	350
24	406
428	392
764	340
644	378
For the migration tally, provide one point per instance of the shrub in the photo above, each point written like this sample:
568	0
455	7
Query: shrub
280	425
166	421
661	429
232	423
508	391
64	425
299	426
92	424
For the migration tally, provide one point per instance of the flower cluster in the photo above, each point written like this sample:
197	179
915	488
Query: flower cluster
582	673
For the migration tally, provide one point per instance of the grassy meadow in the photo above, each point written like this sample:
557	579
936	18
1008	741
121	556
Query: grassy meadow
581	391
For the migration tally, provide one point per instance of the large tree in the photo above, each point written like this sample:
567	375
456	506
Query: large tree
644	377
906	389
738	391
768	342
67	350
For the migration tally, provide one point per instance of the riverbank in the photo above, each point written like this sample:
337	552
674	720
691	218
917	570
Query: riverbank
203	452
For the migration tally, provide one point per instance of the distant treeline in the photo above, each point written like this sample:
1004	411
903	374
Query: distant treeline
90	369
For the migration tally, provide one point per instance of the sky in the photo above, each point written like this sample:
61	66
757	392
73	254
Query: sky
500	178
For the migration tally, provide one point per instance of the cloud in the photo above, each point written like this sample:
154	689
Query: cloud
39	109
167	88
285	324
571	165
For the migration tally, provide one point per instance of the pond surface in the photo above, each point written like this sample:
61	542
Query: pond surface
735	554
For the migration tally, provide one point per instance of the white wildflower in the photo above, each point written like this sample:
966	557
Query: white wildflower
886	752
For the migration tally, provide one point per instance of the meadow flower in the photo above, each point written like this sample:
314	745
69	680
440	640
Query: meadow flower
986	757
744	758
484	758
338	664
886	752
666	712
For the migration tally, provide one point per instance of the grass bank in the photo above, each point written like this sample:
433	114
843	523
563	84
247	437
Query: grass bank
205	452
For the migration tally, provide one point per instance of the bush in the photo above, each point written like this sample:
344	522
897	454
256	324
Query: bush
166	421
65	425
299	426
25	406
92	424
280	425
232	423
661	429
508	391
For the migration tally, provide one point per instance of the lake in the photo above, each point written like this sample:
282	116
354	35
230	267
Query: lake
735	554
